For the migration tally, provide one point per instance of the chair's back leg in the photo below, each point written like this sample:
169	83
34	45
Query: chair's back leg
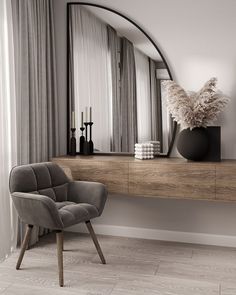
93	235
24	245
59	235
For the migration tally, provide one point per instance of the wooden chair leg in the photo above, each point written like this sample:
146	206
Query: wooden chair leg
24	245
62	241
59	235
94	238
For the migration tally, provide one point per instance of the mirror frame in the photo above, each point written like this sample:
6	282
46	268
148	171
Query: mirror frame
68	90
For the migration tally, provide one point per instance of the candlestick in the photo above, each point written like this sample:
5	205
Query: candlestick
81	141
86	149
90	138
82	120
73	143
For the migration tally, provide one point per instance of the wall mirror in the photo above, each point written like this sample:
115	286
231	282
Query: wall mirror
116	71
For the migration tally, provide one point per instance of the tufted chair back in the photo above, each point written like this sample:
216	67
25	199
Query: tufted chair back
46	179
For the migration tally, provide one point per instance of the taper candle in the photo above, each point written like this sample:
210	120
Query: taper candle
73	119
86	114
90	109
82	119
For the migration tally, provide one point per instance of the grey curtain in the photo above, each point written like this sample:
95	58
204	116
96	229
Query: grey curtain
156	109
114	48
71	63
128	114
36	89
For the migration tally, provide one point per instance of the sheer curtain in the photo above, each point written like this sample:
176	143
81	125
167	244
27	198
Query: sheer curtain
8	219
143	96
156	104
128	96
91	73
114	48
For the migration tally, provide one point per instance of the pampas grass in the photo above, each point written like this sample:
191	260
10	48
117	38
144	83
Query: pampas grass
194	109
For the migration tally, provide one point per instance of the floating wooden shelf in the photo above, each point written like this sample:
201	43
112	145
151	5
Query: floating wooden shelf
160	177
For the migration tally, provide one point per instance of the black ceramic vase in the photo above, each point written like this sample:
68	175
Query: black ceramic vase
193	144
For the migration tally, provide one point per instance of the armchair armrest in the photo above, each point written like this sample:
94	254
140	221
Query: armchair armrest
37	210
93	193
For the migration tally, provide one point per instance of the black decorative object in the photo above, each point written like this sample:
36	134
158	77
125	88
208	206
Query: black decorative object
86	149
73	143
193	144
214	149
200	144
81	141
90	138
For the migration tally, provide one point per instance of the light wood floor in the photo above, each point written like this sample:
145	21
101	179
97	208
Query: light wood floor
134	267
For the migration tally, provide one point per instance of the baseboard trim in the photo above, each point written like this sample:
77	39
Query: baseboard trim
162	235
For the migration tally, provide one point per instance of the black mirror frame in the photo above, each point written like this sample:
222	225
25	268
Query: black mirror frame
68	90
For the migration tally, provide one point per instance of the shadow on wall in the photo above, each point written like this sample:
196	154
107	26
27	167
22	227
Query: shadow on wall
172	215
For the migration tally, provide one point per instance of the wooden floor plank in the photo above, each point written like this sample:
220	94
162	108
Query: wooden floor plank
134	267
165	286
203	271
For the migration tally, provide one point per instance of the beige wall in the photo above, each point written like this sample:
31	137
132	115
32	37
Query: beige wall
198	41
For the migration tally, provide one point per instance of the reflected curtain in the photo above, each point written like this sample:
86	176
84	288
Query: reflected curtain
128	97
36	88
114	47
8	145
156	104
143	96
149	108
91	72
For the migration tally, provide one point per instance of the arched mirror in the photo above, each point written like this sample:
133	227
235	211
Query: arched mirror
115	75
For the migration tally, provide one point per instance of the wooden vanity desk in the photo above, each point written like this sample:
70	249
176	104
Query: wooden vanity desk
160	177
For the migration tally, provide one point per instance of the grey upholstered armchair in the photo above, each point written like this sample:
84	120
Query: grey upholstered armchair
44	196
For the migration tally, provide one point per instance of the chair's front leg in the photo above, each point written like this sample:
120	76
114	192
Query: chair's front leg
94	238
24	245
59	235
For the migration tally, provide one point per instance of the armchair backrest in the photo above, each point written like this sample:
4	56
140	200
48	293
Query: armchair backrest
42	178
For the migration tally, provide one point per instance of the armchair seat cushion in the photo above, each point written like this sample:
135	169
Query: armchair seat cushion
72	213
60	205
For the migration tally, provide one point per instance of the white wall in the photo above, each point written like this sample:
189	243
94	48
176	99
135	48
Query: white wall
198	39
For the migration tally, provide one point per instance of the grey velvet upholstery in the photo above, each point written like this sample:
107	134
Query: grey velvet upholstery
44	196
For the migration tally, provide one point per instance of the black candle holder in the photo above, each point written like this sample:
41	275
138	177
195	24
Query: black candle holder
81	141
90	138
73	143
86	149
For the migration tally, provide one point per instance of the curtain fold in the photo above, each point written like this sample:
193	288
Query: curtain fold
90	73
156	104
128	97
36	88
143	96
8	144
114	48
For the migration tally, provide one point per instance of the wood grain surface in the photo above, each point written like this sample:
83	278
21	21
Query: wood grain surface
134	267
226	182
181	181
159	177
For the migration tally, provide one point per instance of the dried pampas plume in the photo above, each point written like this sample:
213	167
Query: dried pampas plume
194	109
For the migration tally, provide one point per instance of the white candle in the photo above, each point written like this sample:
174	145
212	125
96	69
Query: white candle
82	119
73	120
90	114
86	114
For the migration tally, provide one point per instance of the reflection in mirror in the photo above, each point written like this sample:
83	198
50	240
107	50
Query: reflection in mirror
117	71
